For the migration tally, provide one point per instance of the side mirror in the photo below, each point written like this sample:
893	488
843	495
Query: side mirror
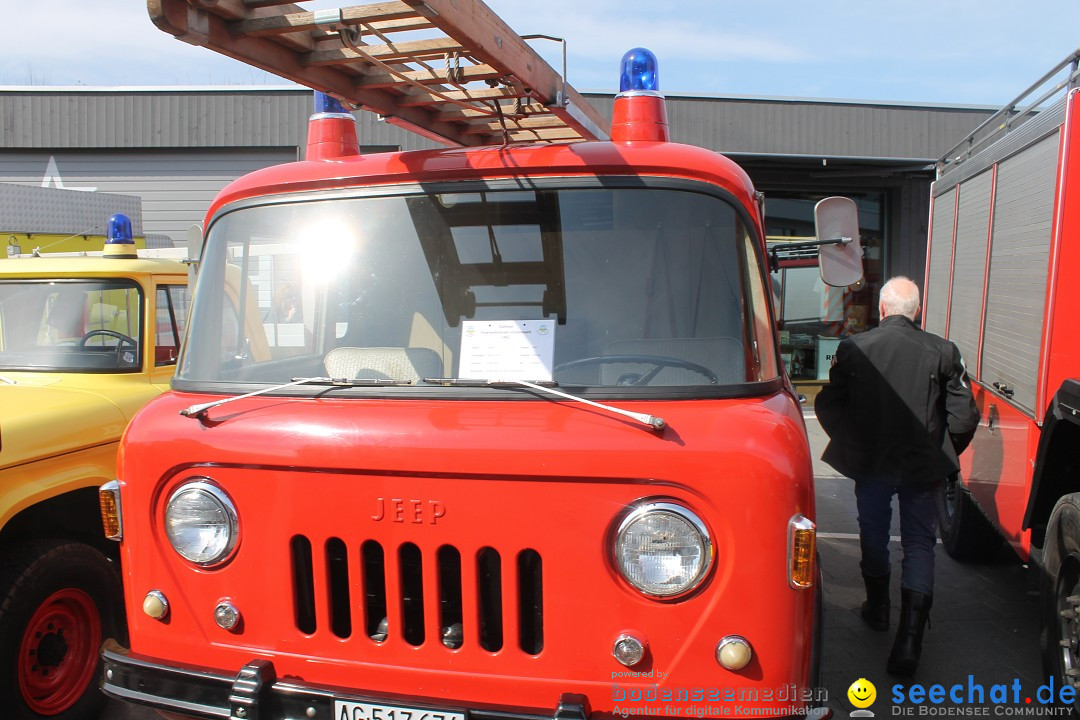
194	251
840	253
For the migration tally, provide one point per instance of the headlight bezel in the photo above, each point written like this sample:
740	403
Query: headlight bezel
647	506
224	502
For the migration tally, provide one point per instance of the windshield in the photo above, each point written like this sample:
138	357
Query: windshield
70	326
626	288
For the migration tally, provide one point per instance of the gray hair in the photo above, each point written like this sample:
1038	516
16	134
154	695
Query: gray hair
900	296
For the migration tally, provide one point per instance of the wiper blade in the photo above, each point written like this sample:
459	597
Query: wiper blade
479	382
198	410
355	382
546	386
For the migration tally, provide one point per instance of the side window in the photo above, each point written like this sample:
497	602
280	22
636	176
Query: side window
172	312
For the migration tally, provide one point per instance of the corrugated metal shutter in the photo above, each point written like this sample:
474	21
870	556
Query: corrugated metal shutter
1018	269
176	187
936	292
969	264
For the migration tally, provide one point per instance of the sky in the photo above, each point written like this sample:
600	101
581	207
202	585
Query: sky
962	52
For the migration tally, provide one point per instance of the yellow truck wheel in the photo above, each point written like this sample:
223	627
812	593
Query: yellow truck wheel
60	600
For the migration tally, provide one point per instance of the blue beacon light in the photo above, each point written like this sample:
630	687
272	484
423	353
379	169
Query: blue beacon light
331	130
120	241
639	72
639	113
327	104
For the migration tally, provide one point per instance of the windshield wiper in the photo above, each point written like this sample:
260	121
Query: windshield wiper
198	410
545	386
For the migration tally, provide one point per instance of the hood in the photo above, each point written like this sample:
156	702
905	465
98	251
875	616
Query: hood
44	418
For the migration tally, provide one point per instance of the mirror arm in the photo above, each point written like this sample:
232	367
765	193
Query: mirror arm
774	251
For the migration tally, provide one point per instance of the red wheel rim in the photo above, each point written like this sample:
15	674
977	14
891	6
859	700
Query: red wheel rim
59	652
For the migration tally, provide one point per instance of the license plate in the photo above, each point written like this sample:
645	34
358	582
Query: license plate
348	710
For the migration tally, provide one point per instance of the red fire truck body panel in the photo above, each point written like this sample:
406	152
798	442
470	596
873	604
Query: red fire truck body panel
511	476
999	468
1002	283
645	159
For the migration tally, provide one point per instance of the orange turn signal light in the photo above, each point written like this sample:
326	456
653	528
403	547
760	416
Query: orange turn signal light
802	549
109	500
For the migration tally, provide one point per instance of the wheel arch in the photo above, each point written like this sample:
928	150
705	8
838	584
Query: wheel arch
73	515
1057	463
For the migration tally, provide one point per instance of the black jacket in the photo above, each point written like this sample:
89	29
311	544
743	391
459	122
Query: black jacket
898	407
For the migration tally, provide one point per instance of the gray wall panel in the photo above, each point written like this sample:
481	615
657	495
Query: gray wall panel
176	188
1018	270
969	265
277	117
936	293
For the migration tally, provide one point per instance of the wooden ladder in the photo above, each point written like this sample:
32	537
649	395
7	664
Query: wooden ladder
450	70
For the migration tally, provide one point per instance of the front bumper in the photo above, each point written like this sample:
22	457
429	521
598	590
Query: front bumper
255	693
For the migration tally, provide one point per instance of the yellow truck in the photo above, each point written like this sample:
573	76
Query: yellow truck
84	343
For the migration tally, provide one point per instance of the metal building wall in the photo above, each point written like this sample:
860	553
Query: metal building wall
815	128
176	186
277	117
176	147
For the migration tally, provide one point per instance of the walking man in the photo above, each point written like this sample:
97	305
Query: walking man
898	411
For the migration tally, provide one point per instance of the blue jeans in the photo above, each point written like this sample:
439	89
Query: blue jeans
918	530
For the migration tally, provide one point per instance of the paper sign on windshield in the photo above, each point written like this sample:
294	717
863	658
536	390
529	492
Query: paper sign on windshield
507	349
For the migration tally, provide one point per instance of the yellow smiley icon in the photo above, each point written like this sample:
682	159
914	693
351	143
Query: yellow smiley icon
862	693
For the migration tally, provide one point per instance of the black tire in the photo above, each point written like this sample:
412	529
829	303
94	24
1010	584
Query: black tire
965	532
58	601
1059	593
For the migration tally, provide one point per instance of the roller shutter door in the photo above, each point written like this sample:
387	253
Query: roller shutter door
936	292
969	264
1024	207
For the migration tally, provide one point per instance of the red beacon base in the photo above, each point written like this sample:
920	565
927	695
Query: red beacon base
331	131
639	114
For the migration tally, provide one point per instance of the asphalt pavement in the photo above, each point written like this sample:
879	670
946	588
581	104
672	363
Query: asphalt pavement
983	624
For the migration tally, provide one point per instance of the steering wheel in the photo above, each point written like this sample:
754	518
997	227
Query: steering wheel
121	338
124	339
658	361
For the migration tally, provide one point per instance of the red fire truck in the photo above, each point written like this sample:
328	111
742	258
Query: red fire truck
1005	214
510	437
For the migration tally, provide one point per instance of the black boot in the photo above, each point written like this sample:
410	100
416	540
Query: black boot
914	614
875	611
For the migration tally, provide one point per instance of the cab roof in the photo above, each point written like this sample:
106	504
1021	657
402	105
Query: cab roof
87	266
587	159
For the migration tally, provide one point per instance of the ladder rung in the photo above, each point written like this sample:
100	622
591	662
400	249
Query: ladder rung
266	3
458	114
547	122
396	52
416	97
300	21
435	76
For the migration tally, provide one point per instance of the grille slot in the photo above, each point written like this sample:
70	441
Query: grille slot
303	584
337	572
374	572
410	564
489	579
458	600
450	620
530	602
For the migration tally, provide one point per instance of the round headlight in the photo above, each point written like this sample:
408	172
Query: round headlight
200	521
663	549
